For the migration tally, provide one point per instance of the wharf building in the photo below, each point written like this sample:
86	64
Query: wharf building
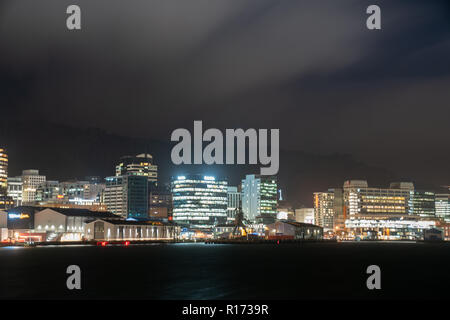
116	230
40	224
199	201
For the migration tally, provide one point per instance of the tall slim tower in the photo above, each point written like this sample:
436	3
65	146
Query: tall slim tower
3	172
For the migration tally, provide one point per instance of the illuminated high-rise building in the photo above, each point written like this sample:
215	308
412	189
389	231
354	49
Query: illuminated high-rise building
324	209
422	203
139	165
359	199
30	181
199	201
259	196
234	202
127	196
15	186
442	206
3	172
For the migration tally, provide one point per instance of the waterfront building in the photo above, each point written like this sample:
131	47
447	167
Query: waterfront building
234	202
116	230
359	199
139	165
127	196
3	172
199	201
304	215
259	196
15	189
389	227
422	203
294	230
442	206
31	179
324	209
397	212
33	223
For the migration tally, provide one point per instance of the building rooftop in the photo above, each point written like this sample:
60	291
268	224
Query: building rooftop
136	223
299	224
73	212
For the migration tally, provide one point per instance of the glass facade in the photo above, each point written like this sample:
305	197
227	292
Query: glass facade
127	196
199	201
422	203
259	196
139	165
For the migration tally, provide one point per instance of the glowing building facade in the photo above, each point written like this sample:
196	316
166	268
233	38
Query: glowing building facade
259	196
442	206
3	172
139	165
359	199
30	181
15	189
234	202
422	203
127	196
199	201
324	209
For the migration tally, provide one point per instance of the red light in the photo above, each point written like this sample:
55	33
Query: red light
102	243
127	243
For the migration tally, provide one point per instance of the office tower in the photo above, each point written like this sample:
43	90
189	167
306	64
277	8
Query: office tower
3	172
139	165
259	196
199	201
47	191
234	202
359	199
15	187
70	194
442	206
160	203
324	209
127	196
304	215
422	203
30	180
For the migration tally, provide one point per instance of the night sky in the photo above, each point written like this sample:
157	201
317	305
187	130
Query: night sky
375	102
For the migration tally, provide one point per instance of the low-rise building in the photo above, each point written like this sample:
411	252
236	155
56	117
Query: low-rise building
50	224
111	230
294	230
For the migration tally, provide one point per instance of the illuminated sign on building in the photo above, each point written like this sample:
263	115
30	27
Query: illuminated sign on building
19	216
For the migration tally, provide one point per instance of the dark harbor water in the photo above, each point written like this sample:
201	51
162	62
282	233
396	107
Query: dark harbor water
199	271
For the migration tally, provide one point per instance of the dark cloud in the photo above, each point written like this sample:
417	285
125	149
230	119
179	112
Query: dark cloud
310	68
